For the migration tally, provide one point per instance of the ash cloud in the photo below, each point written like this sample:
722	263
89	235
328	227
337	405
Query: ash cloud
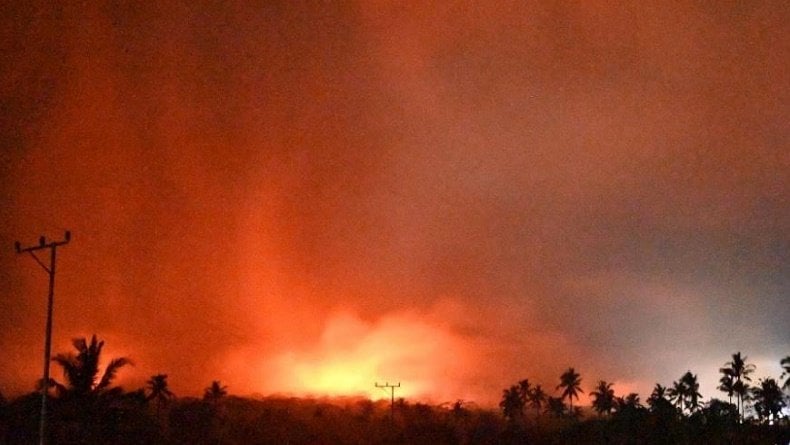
569	185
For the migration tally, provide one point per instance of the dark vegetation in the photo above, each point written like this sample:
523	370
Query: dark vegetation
86	409
675	414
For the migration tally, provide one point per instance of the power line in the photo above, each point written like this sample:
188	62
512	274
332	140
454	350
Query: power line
53	247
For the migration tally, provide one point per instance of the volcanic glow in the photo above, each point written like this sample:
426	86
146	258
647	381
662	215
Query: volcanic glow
310	199
352	355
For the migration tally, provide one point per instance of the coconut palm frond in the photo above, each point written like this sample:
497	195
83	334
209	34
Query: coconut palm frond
111	370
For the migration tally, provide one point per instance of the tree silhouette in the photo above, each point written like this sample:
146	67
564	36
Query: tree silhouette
571	382
3	403
740	371
158	390
658	401
460	408
628	409
631	401
88	409
786	372
524	388
726	383
603	397
692	394
683	391
512	404
678	393
555	406
659	393
81	371
769	399
718	412
215	392
537	398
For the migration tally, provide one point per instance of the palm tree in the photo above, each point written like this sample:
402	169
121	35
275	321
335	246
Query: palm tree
215	392
571	382
86	397
769	400
632	399
159	391
628	404
603	395
537	398
692	391
81	371
786	372
658	401
556	406
678	393
659	393
512	404
727	383
685	393
524	388
740	371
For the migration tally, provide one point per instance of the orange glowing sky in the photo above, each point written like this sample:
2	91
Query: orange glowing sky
309	199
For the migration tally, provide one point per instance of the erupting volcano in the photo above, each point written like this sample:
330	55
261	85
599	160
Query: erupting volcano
308	200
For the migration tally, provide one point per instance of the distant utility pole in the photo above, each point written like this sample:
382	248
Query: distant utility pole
52	246
392	397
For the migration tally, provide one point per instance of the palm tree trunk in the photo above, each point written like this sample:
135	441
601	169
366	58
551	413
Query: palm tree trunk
740	401
740	408
739	404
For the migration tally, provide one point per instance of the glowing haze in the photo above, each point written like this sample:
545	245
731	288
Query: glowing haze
311	199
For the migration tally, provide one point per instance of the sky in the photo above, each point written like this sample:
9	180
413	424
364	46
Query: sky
312	198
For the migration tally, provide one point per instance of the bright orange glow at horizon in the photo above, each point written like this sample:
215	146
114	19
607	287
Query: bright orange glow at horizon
336	377
353	355
310	198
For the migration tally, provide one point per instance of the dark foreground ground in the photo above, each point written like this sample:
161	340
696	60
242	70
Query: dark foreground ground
131	419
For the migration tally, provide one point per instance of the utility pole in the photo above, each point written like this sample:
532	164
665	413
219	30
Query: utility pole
392	397
52	246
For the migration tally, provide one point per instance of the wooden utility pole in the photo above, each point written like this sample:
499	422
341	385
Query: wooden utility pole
392	397
52	246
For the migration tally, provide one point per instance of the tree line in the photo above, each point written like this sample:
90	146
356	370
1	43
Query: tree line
86	408
751	409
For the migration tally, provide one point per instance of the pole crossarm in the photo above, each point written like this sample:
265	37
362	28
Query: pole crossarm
52	246
43	244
